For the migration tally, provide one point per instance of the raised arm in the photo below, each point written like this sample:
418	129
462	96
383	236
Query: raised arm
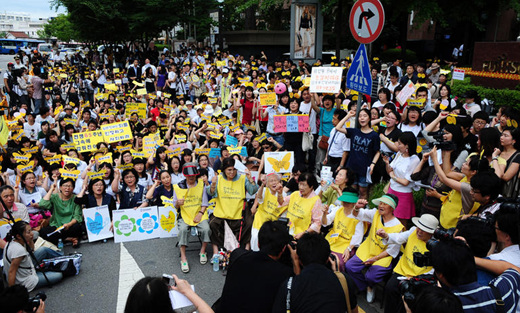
341	123
453	184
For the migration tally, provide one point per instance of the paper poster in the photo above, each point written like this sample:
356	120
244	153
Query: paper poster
268	98
168	222
214	153
407	91
237	150
139	108
279	162
97	222
134	225
231	141
5	227
291	123
87	141
458	74
326	79
150	144
117	132
141	91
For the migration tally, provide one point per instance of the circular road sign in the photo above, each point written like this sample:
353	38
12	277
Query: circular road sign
366	20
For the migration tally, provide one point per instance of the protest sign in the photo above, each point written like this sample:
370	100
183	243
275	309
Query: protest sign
458	74
268	98
135	224
168	222
116	132
97	222
279	162
326	79
87	141
291	123
231	141
139	108
407	91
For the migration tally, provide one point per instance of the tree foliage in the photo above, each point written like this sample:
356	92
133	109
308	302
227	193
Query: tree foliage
132	20
59	27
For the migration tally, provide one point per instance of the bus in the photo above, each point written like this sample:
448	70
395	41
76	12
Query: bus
12	46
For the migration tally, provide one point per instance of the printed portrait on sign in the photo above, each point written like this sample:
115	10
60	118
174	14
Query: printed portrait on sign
305	31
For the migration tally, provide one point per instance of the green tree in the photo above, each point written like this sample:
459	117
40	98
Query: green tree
59	27
3	34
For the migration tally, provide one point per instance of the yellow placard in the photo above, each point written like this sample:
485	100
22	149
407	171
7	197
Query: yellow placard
70	121
30	150
176	151
116	70
26	168
112	87
97	175
70	160
138	83
202	151
416	102
268	98
115	132
307	82
53	159
141	91
87	141
69	174
107	158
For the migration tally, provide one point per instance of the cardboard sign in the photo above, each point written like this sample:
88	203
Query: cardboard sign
279	162
87	141
268	98
231	141
140	108
116	132
326	79
291	123
407	91
458	74
135	224
97	222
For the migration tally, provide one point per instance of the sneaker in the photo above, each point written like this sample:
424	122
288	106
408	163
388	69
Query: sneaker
203	258
370	295
185	268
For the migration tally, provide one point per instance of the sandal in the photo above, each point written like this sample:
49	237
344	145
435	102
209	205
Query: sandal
203	258
185	268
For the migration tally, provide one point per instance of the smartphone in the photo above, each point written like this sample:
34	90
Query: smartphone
168	280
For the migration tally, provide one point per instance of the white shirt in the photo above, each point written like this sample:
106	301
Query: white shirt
509	254
471	108
339	145
306	108
31	131
154	69
49	119
403	168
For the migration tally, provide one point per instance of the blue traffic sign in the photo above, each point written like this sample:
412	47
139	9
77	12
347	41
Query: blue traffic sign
358	76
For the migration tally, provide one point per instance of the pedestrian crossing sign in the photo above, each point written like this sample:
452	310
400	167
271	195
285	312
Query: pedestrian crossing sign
358	76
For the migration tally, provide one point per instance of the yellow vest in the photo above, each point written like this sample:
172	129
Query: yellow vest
230	200
373	245
406	266
269	210
341	233
299	212
192	202
451	210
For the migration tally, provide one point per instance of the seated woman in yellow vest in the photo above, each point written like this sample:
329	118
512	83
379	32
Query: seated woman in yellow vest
304	208
229	190
347	232
459	201
266	206
415	239
192	200
373	254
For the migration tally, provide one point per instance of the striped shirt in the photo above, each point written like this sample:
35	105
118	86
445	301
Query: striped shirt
480	299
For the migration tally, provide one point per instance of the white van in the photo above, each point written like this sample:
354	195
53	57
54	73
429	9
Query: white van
45	48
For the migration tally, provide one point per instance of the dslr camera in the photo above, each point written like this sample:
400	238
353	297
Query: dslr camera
34	302
440	143
424	259
410	288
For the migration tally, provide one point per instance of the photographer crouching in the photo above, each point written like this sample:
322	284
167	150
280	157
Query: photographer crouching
15	299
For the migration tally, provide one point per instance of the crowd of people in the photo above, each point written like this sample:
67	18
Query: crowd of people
444	162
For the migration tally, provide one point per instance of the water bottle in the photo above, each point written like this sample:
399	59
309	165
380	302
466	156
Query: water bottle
194	231
60	245
215	261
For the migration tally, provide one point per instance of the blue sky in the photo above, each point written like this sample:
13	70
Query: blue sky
36	8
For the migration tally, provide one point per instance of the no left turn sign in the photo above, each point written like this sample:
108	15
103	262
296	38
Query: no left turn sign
367	18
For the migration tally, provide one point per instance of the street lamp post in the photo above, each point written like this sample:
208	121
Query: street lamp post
220	37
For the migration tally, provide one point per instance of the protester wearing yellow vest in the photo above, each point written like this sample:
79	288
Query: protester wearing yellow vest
229	190
192	200
266	207
373	253
347	232
459	201
415	239
304	208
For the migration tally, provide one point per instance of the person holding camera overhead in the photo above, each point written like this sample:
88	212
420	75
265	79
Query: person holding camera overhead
373	253
415	240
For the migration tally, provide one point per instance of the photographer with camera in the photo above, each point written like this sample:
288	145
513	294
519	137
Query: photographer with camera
456	269
415	258
432	299
15	299
316	288
253	278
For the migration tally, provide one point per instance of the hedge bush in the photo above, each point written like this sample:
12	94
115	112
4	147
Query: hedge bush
377	191
499	96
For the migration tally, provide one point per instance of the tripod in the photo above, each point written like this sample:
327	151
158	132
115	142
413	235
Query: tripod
31	253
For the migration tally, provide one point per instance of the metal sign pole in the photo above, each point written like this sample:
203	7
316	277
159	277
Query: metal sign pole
358	107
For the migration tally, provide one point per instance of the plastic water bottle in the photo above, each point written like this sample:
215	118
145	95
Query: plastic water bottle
193	231
60	245
215	261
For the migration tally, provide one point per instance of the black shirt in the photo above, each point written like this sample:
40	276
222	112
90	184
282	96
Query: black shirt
316	289
252	282
470	143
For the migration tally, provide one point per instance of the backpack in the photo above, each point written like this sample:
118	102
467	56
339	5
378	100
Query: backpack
10	81
69	265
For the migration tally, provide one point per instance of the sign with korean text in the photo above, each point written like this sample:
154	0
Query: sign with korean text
116	132
87	141
268	98
326	79
291	123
